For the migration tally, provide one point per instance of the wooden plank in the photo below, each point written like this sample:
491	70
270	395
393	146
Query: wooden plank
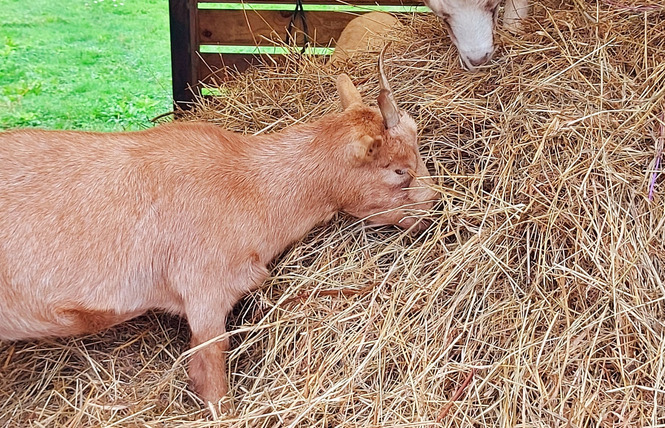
256	28
266	50
309	7
213	67
329	2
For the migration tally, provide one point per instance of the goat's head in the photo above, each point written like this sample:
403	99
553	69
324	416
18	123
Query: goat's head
470	26
387	178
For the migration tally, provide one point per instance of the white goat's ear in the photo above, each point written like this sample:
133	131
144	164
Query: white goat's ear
348	93
437	7
366	148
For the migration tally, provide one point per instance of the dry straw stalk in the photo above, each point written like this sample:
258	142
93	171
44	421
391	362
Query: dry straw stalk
542	275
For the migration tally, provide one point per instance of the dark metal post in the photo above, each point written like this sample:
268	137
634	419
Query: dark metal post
181	52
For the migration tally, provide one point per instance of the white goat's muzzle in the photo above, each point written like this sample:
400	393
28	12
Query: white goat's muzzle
473	34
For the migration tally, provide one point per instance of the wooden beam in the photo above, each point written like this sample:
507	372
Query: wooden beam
211	37
266	27
182	19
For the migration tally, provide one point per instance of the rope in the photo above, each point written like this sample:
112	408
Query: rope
291	37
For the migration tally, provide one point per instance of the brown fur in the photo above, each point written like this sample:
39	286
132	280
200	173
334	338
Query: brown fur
98	228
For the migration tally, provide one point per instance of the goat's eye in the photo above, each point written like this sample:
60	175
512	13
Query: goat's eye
400	171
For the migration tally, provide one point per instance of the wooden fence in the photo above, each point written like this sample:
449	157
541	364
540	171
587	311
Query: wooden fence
208	37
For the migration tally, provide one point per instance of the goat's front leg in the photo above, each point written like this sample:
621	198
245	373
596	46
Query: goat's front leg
207	308
514	12
207	366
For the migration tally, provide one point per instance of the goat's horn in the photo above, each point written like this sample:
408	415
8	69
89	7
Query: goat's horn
387	104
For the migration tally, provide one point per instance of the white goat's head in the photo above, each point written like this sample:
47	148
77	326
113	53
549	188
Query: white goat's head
471	27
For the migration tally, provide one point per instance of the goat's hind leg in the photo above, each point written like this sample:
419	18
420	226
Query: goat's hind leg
77	320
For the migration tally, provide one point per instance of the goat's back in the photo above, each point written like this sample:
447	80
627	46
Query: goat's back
83	212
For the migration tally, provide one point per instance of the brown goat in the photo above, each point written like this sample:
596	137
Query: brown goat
99	228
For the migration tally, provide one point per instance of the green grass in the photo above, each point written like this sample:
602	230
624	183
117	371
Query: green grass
84	64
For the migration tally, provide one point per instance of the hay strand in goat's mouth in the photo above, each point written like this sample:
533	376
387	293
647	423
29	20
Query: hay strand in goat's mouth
542	275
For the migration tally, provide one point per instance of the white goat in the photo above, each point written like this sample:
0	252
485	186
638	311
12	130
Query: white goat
471	25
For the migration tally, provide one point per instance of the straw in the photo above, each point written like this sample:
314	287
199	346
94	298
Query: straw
541	275
660	139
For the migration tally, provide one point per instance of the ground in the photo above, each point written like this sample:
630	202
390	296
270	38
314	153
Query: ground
86	64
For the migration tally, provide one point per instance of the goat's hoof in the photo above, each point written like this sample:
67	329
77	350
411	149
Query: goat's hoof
221	409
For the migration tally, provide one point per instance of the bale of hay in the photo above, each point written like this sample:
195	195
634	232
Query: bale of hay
537	297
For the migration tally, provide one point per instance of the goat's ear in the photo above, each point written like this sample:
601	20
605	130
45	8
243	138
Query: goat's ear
347	91
366	148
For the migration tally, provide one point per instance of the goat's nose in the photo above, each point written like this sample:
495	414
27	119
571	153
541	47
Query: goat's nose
477	62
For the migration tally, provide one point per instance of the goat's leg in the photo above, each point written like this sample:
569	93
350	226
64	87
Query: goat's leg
207	307
514	12
207	366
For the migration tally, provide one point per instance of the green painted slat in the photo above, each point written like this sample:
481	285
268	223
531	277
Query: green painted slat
212	92
314	7
262	50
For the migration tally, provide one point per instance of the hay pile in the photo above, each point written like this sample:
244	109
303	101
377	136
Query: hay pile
537	298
